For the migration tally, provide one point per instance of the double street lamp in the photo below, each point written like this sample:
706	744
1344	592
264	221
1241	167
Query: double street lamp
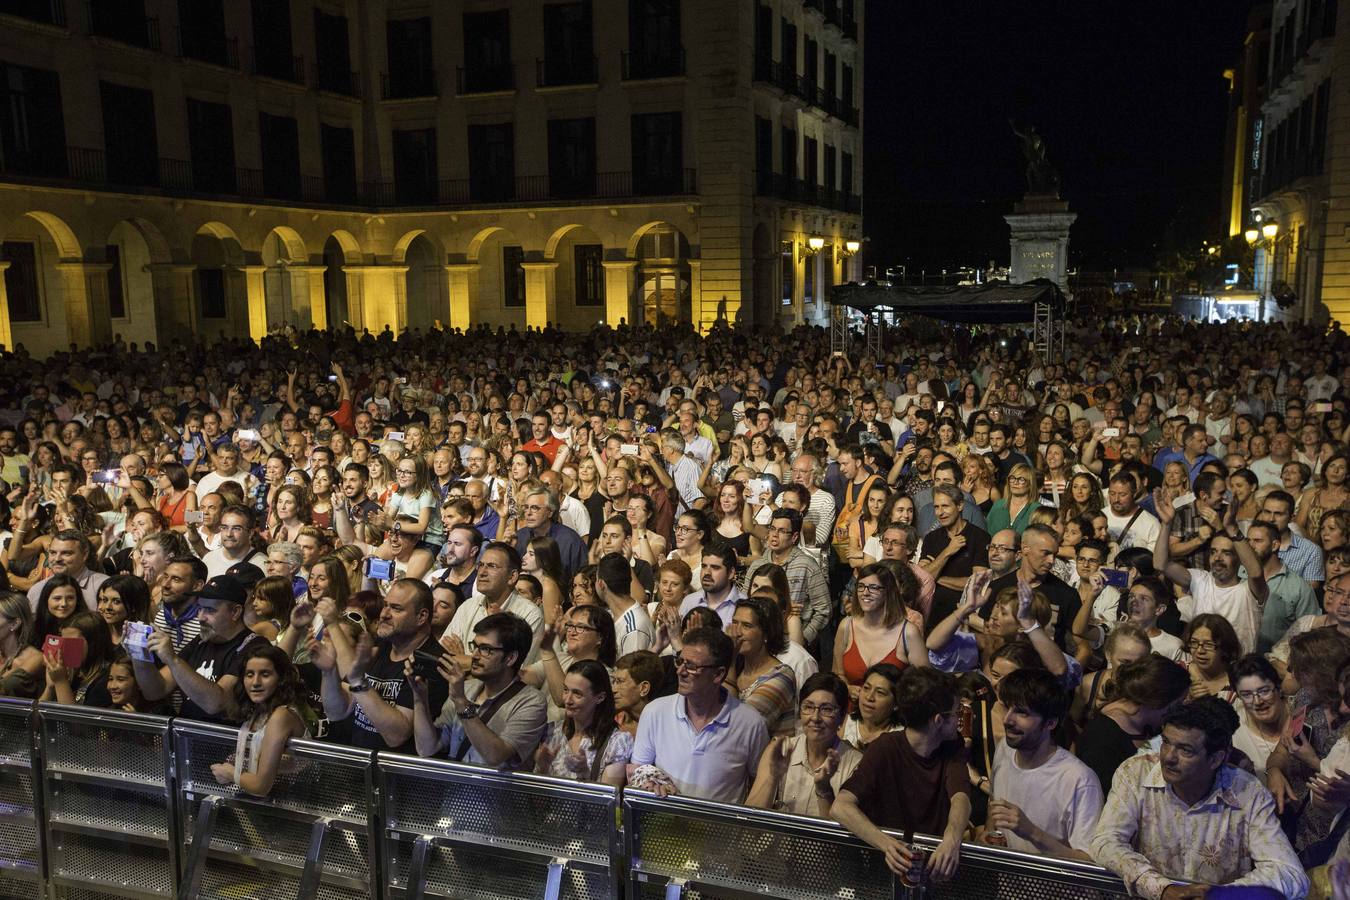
1265	236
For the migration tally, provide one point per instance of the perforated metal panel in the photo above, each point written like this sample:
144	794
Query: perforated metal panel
502	815
760	859
87	860
20	809
977	883
109	816
104	750
462	872
260	847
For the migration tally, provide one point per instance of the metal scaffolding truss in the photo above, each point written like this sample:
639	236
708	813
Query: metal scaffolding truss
1047	332
839	336
872	334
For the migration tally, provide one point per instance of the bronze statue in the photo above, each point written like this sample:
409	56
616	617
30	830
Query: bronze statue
1041	176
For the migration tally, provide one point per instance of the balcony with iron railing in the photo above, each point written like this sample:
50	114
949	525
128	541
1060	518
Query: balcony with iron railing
408	84
337	79
647	66
136	31
797	190
483	79
216	49
278	66
87	167
563	72
48	12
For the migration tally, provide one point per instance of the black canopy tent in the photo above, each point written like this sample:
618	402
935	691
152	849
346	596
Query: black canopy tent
1039	302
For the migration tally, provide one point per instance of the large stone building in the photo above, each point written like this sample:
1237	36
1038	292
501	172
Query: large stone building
200	166
1302	138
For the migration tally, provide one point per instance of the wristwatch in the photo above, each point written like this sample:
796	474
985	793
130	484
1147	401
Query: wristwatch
469	712
359	687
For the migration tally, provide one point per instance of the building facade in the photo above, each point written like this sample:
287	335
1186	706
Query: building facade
1246	88
172	167
1302	142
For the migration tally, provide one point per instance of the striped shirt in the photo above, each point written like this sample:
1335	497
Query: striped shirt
634	630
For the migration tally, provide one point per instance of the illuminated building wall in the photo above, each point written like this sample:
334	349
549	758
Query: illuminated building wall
205	166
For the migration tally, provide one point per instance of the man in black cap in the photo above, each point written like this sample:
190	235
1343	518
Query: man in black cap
208	668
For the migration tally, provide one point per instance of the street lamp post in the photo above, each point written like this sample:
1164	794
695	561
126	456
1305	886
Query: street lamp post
1265	236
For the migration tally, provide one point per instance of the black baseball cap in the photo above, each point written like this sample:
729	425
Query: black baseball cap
245	573
222	589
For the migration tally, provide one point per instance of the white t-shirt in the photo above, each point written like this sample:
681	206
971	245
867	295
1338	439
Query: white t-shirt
803	664
1235	603
1267	471
212	481
634	630
1062	796
1258	750
1143	533
1166	645
217	563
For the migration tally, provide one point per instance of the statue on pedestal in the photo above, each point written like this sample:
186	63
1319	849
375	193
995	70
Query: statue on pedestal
1042	178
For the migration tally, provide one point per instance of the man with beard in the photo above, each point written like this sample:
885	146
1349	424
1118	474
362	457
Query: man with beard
1128	523
806	579
1002	453
372	689
497	720
1218	590
717	576
1043	799
236	533
1183	818
208	668
459	558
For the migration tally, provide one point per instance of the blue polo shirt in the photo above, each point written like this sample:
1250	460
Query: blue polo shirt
716	763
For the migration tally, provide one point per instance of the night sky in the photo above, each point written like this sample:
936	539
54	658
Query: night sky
1129	96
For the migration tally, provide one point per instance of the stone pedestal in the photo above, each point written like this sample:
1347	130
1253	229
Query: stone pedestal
1040	239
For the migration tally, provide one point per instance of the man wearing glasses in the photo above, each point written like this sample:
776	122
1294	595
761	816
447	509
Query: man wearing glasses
703	740
494	592
539	511
497	720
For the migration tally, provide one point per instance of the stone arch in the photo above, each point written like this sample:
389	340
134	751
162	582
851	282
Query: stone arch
339	250
579	278
475	247
664	284
134	246
285	243
401	246
350	246
660	227
426	291
555	239
490	302
61	234
218	291
47	307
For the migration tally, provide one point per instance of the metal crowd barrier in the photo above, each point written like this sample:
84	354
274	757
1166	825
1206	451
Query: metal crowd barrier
454	830
107	800
98	804
313	836
21	844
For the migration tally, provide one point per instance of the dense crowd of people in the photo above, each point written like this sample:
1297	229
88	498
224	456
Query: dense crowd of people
1095	607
